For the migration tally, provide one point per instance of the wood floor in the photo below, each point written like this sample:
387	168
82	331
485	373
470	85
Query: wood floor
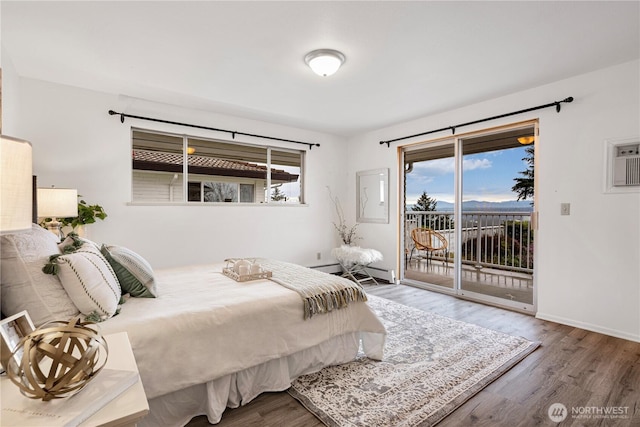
580	369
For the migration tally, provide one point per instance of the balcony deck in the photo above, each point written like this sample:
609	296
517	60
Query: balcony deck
496	252
509	285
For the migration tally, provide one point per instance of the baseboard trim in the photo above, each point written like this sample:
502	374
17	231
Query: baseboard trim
328	268
588	326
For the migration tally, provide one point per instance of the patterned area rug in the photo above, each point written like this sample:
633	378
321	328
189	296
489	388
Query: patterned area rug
432	365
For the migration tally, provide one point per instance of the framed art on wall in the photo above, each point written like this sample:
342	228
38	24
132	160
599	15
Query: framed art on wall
372	196
12	329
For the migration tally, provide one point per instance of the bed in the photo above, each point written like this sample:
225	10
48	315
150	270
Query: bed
205	342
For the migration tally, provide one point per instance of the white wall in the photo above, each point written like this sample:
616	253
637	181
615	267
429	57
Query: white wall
588	263
77	144
10	95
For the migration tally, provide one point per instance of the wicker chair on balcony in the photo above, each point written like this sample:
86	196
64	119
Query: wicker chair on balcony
429	241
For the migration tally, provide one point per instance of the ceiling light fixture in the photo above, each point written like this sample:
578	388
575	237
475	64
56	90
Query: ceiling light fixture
324	62
524	140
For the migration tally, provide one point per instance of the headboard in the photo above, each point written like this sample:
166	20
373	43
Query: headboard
34	200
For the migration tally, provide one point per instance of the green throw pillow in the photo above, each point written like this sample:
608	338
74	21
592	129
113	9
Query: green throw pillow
134	272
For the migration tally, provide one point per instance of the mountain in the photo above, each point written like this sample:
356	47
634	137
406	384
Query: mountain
476	205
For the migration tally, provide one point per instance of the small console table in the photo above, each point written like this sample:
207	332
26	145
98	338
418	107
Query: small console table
355	260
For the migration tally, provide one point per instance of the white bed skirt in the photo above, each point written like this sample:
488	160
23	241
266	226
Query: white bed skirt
211	399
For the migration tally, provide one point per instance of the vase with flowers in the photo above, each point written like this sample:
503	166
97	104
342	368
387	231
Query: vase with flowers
348	234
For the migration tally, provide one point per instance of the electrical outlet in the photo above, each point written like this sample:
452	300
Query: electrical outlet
319	255
565	208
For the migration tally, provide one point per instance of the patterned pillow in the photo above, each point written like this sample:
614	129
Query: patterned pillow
24	285
73	239
90	281
134	272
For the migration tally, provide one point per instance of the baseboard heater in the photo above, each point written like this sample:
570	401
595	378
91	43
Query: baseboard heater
377	272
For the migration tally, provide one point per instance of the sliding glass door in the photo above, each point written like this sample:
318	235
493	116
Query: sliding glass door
429	215
467	216
496	235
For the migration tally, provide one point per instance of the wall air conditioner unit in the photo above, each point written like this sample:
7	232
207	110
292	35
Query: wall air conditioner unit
626	165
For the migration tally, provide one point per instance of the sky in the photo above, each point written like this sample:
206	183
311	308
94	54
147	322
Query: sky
290	189
487	176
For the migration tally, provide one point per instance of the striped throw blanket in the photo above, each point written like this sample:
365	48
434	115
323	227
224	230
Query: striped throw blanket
321	292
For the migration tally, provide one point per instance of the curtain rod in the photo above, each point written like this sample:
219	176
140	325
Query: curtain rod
233	133
453	128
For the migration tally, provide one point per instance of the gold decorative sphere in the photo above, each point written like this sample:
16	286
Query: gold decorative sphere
57	359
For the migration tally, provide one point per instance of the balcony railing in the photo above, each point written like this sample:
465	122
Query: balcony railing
500	240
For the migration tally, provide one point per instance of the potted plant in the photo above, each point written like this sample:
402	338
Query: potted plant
347	234
87	214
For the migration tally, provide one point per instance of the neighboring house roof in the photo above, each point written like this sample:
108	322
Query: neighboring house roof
172	162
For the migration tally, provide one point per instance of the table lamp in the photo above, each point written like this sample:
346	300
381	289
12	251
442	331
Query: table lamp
57	203
16	190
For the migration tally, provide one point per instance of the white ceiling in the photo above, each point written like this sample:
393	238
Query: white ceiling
404	59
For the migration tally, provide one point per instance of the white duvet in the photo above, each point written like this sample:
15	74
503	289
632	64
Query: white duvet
204	325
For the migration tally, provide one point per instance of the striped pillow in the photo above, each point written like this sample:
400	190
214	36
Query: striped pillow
134	272
71	239
90	281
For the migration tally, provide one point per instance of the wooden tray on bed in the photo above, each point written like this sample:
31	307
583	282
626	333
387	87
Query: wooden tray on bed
245	277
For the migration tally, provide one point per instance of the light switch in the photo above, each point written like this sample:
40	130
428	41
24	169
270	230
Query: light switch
565	208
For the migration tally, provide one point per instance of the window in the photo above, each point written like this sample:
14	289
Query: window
216	171
217	192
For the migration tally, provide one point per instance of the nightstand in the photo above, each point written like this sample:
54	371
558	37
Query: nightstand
131	406
125	410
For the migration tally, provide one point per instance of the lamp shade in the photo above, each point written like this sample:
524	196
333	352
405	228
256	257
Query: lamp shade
16	190
57	202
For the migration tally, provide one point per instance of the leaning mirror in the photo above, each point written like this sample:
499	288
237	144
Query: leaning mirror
372	196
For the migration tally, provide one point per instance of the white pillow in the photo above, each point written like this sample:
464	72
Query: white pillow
24	285
90	281
69	240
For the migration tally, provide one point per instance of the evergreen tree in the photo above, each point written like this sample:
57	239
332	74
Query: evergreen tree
424	203
429	204
524	186
278	195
